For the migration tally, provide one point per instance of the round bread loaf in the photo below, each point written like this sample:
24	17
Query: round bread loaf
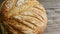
23	17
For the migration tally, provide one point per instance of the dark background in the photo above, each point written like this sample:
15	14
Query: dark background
53	12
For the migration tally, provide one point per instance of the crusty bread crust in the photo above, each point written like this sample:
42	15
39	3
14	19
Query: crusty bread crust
23	17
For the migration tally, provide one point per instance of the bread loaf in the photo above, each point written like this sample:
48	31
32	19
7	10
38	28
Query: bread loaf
23	17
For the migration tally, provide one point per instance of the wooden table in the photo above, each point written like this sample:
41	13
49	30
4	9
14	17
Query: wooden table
53	11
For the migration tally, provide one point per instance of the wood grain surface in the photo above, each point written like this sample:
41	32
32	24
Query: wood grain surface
53	13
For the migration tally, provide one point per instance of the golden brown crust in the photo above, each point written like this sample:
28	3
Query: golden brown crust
23	17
